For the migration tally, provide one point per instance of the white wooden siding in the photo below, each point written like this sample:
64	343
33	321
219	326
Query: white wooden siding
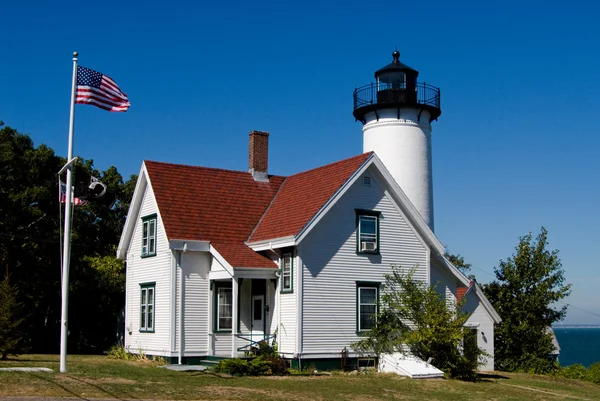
145	270
445	283
332	267
485	328
222	343
245	312
215	265
195	267
288	319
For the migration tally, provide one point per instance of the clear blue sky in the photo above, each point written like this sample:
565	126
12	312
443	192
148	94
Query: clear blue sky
514	149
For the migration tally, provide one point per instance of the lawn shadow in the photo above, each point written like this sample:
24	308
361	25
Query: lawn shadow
60	386
217	375
129	396
488	377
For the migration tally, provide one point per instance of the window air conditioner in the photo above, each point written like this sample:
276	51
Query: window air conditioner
368	246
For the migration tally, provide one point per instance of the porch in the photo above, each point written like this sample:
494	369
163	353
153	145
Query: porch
242	314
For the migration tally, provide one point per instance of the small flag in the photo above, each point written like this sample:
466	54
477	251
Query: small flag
62	195
99	90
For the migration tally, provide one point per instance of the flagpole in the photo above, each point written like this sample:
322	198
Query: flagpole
67	231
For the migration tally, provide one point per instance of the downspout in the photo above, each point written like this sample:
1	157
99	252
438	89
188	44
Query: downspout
180	312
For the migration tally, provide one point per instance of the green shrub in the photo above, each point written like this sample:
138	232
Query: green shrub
239	367
261	366
577	371
594	373
278	366
119	352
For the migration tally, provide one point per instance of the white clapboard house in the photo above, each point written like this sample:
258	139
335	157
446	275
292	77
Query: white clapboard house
219	259
483	317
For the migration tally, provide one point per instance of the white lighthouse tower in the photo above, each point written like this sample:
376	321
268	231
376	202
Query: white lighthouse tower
396	112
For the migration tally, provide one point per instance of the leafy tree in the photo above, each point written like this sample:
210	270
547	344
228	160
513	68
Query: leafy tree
459	262
11	336
414	317
30	246
526	286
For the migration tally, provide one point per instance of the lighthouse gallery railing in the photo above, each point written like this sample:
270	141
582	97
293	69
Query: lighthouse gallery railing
367	95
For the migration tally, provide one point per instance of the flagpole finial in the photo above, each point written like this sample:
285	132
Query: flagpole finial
75	54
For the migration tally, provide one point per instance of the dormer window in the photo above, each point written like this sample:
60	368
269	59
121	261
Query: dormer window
149	236
367	231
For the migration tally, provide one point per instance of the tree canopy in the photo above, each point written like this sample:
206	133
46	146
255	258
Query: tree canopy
30	247
414	317
524	293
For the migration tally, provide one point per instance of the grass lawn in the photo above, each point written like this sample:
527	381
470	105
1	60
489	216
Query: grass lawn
99	377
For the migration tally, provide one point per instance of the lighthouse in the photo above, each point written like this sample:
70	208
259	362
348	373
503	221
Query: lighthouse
396	112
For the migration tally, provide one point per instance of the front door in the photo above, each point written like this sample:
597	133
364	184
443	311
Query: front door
258	317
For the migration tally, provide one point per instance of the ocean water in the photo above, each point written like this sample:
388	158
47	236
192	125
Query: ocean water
578	345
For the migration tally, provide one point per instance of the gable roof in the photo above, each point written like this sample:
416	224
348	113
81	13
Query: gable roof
460	293
302	195
234	212
209	204
487	305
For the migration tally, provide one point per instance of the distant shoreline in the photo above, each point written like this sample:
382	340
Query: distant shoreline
577	326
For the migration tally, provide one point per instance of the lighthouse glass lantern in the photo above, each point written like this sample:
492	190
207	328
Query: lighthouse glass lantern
396	112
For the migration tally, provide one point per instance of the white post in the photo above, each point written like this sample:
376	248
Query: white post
67	233
181	300
234	316
211	317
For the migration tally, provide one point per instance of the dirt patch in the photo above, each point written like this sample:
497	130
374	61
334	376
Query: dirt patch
109	380
224	392
546	392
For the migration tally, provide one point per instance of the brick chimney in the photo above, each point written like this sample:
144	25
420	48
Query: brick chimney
258	155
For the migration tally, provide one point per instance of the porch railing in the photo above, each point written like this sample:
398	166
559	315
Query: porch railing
252	342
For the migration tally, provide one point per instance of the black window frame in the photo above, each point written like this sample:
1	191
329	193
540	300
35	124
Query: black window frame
145	304
290	289
216	315
147	236
359	235
366	285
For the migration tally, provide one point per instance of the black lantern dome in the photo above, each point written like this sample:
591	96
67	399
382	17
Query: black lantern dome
396	86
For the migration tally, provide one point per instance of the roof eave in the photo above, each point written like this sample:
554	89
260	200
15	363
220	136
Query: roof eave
411	212
271	244
132	213
486	303
185	245
334	198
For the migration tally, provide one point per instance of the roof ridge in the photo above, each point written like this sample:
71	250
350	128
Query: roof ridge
204	168
293	203
330	164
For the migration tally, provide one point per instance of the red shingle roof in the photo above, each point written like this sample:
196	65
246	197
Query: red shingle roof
225	206
461	291
221	206
302	195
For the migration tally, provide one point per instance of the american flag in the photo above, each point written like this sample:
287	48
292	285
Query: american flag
99	90
62	195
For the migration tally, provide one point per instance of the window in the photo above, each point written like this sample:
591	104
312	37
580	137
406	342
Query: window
367	231
287	269
147	307
149	236
224	309
367	297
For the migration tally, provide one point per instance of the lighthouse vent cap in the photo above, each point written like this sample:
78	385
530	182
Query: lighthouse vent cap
396	66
